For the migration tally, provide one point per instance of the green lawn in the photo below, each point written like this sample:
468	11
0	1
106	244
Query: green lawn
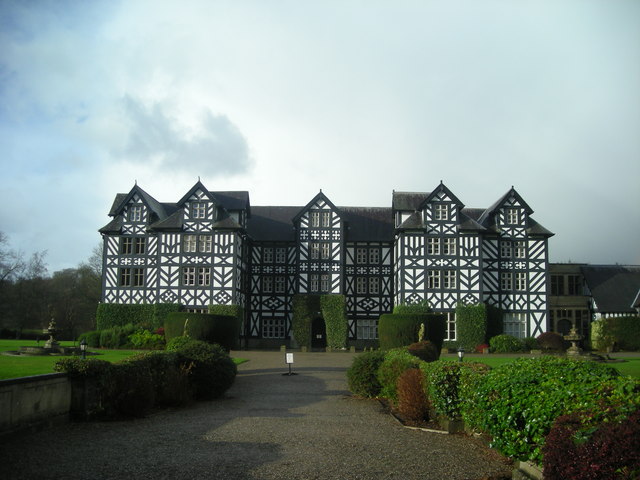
22	366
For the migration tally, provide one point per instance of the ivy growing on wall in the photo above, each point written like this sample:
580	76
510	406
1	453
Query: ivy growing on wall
333	310
146	315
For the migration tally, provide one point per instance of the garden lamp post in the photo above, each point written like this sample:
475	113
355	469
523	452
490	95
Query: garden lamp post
460	353
83	348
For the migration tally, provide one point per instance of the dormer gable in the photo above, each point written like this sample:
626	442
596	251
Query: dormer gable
441	206
138	207
509	215
320	212
200	205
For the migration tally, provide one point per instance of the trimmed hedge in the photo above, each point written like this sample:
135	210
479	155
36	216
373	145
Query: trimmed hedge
471	325
146	315
446	382
395	362
506	344
221	329
399	330
620	333
517	403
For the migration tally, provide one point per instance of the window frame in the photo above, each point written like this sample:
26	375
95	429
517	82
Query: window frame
199	210
434	280
441	211
134	213
433	246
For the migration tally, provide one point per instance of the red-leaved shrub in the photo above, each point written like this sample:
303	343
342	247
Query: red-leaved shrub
612	451
412	401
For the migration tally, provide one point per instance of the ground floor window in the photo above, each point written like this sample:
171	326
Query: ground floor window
451	325
564	319
515	324
367	329
273	327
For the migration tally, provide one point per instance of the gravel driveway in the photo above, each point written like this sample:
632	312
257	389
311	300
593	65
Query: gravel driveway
268	426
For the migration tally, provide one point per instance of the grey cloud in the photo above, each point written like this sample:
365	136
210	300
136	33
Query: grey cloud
218	148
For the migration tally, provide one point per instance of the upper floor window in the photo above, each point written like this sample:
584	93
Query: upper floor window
575	284
505	249
132	277
126	247
506	281
557	285
135	213
441	211
449	246
520	249
433	246
434	279
196	276
267	284
361	285
189	244
267	255
513	217
374	285
315	219
198	210
279	283
319	250
204	243
449	279
521	281
326	219
281	255
324	282
140	246
374	255
361	255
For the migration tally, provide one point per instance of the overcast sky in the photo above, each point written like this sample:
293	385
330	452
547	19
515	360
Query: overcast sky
357	98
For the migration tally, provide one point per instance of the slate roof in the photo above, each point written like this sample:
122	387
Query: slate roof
272	224
408	200
373	224
613	287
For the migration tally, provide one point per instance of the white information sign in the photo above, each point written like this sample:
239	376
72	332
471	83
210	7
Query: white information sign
289	357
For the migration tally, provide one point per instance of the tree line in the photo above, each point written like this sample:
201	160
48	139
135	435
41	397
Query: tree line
30	298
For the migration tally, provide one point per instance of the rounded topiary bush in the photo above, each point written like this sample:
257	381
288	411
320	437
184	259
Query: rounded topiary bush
176	343
551	342
211	370
506	344
424	350
362	375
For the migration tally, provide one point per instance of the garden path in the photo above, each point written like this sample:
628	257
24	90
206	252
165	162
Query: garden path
268	426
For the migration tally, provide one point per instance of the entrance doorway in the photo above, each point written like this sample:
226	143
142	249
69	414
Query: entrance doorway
318	333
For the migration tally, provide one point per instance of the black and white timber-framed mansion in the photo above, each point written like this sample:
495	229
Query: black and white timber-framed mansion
213	247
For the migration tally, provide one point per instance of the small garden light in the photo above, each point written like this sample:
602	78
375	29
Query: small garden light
83	348
460	353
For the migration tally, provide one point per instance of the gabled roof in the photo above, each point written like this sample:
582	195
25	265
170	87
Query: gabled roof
442	188
197	186
123	198
489	213
613	287
319	196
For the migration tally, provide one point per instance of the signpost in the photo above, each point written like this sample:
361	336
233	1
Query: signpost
288	358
